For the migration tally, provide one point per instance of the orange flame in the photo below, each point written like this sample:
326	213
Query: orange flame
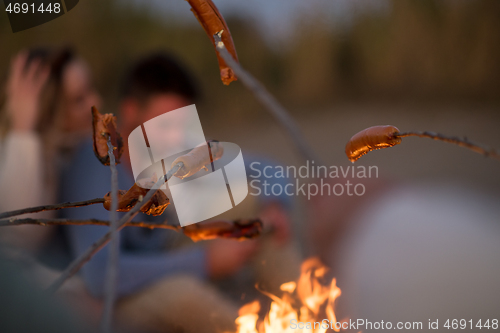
307	301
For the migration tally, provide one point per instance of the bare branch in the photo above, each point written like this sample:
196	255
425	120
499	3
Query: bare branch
51	207
462	142
272	105
100	243
239	229
112	269
54	222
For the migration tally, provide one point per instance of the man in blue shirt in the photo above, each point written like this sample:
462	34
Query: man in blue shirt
154	273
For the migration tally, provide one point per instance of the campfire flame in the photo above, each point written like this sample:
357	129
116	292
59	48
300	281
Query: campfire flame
307	300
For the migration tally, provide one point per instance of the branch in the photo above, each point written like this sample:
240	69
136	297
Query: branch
112	269
99	244
51	207
384	136
272	105
239	229
462	142
54	222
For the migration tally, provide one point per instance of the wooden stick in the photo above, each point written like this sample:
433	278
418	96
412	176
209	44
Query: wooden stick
272	105
51	207
112	268
100	243
462	142
54	222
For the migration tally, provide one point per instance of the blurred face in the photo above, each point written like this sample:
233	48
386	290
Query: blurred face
135	113
79	97
160	104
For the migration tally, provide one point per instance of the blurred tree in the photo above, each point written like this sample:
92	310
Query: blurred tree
428	50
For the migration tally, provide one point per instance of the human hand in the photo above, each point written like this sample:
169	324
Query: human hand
226	256
24	87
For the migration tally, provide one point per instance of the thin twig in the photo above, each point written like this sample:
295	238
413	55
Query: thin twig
462	142
51	207
272	105
112	269
100	243
54	222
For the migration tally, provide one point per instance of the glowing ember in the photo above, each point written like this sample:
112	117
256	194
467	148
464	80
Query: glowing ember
307	301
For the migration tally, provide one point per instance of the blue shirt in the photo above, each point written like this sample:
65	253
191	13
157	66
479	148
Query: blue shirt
145	256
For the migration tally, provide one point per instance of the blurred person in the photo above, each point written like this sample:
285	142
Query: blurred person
161	285
44	113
